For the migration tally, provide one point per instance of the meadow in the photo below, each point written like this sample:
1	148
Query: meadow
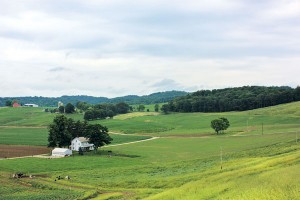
188	161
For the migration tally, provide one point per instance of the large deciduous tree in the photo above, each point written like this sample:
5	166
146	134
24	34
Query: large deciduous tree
219	125
98	135
59	132
70	108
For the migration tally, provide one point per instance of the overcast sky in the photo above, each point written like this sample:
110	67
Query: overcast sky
118	47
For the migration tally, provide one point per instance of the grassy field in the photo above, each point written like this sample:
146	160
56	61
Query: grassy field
184	163
277	119
38	136
172	168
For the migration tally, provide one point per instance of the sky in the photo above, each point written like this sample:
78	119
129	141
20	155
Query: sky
120	47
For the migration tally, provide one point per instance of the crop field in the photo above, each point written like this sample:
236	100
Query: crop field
257	158
11	151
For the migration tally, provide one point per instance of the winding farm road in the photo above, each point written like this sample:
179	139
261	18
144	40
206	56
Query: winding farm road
113	145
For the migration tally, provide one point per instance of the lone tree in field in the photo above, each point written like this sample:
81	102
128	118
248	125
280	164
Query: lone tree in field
219	125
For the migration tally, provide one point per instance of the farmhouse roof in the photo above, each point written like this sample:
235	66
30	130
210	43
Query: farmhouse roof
83	139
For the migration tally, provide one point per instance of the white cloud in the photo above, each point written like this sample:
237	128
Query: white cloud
114	48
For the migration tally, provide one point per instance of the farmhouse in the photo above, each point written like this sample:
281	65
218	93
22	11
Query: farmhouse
81	142
61	152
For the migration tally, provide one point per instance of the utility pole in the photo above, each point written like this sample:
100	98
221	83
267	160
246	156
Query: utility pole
221	158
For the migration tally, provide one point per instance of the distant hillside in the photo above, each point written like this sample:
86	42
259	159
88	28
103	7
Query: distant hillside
159	97
234	99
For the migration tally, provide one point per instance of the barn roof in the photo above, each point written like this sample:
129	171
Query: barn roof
60	150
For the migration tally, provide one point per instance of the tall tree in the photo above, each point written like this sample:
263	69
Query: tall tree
122	108
8	103
59	132
156	108
141	107
61	109
70	108
98	135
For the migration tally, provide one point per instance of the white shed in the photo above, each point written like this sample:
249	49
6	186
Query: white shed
61	152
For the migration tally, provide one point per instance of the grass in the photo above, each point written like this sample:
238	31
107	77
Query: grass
39	136
179	165
177	168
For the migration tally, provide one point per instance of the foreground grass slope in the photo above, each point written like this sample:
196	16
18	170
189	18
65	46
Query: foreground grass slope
171	168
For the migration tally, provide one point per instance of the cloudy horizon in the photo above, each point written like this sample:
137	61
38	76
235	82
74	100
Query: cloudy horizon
116	48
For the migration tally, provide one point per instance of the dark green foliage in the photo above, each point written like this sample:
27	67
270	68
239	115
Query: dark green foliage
165	108
69	108
59	132
61	109
122	108
159	97
141	107
89	115
220	124
156	108
98	135
234	99
8	103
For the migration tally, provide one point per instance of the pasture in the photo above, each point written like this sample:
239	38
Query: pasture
172	168
257	158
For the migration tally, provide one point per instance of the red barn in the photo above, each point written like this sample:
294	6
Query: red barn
16	105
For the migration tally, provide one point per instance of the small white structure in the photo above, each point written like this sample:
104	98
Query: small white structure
30	105
81	142
61	152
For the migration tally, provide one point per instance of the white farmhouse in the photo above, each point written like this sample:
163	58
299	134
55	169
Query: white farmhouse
61	152
82	142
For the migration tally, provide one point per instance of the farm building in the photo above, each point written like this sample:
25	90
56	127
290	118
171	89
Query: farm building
81	142
30	105
15	105
61	152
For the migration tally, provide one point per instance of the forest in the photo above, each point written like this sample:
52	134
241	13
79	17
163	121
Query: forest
159	97
233	99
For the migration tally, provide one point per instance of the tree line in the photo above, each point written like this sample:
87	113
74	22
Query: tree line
233	99
159	97
102	111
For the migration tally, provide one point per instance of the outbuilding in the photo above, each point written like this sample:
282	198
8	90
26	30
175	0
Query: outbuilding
61	152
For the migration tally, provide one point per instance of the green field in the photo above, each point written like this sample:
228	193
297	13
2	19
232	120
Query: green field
184	163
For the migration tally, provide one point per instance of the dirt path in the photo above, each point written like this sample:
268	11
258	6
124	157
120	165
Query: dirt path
113	145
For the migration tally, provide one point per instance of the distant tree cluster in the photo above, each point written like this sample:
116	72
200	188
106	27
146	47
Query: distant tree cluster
62	130
130	99
233	99
102	111
68	109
